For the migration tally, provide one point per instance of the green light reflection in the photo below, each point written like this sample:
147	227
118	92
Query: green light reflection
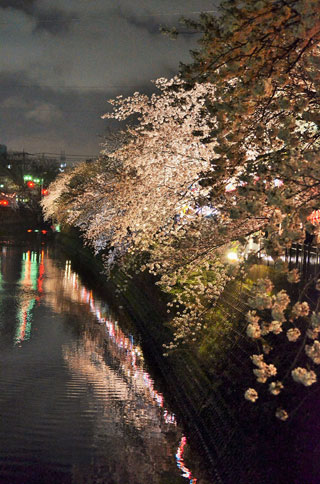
27	297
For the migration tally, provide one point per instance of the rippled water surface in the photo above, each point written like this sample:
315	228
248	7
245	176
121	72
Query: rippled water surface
77	404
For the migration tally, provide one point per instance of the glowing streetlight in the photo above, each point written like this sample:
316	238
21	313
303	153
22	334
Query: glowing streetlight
232	256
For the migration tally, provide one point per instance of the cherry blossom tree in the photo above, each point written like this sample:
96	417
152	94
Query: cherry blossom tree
244	115
263	59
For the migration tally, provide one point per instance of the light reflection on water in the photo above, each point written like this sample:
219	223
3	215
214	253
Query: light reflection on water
88	411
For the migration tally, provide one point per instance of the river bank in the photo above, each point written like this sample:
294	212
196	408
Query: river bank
17	222
240	441
196	394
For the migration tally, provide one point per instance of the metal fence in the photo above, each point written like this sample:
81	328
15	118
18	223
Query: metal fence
305	257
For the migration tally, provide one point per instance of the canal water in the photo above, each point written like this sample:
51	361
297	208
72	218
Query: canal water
77	403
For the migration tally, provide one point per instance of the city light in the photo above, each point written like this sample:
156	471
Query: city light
30	184
4	203
29	178
232	256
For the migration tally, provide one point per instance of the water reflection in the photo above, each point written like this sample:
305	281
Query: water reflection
32	272
91	410
180	461
135	379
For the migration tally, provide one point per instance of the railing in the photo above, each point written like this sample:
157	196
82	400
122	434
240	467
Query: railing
305	257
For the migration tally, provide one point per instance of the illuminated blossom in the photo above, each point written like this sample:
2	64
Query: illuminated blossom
253	328
277	313
302	375
260	373
257	360
262	299
251	394
252	317
264	285
275	387
313	351
253	331
293	334
282	299
281	414
276	327
293	276
300	310
264	371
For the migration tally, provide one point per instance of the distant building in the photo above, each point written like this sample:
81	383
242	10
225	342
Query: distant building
24	177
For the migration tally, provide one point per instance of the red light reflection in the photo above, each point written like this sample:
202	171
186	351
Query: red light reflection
41	274
180	462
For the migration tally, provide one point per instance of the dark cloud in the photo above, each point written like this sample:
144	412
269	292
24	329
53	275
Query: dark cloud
145	23
26	6
54	21
37	118
62	60
51	19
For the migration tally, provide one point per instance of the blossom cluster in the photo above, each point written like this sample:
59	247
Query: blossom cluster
281	414
275	387
313	351
251	394
293	334
264	371
261	324
302	375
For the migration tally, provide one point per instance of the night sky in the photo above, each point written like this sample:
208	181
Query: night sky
62	60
